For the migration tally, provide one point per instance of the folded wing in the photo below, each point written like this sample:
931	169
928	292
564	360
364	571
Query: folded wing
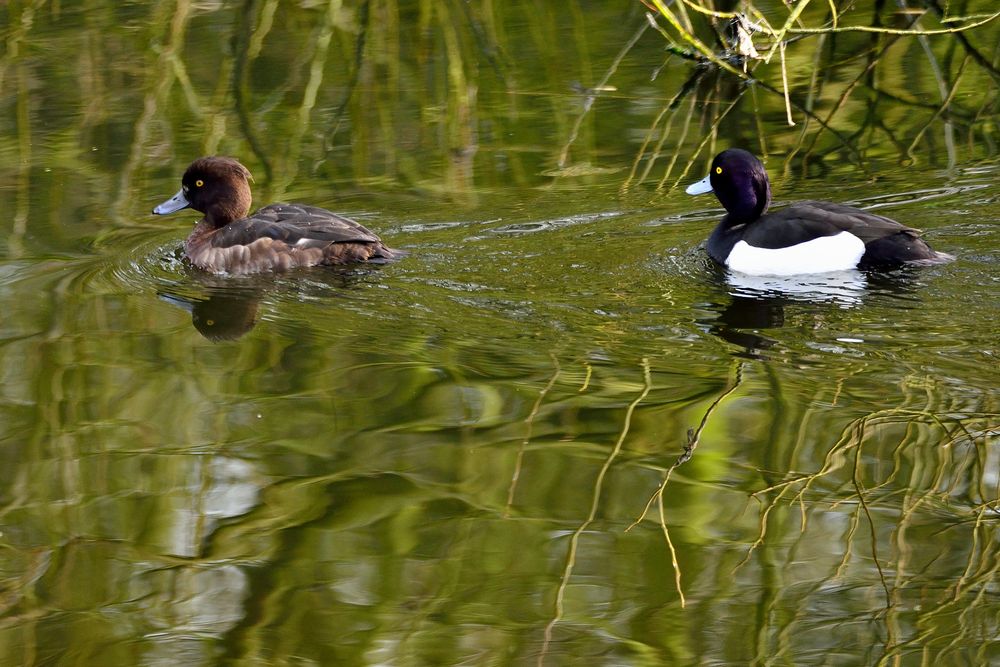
297	226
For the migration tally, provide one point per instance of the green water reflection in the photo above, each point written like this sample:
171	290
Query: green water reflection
445	460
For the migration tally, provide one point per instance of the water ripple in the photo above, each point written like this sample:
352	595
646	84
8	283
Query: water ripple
531	227
914	196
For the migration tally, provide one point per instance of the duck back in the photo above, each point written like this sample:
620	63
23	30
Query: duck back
887	242
280	237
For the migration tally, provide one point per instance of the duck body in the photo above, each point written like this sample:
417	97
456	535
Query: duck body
806	237
277	237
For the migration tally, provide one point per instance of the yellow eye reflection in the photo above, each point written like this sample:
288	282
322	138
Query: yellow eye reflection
718	170
199	183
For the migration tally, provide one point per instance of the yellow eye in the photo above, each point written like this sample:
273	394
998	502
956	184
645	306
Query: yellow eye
200	183
718	170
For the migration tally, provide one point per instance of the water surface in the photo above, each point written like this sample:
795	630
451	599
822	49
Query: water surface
554	433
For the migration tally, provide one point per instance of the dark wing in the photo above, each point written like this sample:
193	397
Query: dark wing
307	226
807	220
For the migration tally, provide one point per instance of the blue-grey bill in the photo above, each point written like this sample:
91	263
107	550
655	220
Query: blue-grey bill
701	187
177	301
175	203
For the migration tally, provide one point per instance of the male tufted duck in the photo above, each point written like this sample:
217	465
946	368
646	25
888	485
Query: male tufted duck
806	237
277	237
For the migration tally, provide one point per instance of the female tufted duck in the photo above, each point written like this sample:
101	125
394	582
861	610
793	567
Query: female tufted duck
277	237
806	237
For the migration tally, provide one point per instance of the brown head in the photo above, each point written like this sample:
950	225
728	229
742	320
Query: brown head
217	186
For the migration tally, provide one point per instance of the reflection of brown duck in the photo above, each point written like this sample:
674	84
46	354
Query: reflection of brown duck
277	237
222	315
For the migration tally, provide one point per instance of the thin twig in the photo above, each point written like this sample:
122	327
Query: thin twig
594	505
529	424
595	91
897	31
694	437
784	86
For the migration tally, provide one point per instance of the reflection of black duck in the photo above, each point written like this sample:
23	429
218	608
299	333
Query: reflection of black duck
739	320
806	237
277	237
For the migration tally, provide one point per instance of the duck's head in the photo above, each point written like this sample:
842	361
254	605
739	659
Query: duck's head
217	186
740	182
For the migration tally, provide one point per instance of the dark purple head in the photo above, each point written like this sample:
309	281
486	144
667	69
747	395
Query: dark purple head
739	180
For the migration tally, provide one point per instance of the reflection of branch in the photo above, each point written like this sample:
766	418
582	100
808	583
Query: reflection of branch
854	436
595	91
693	437
918	104
874	56
317	67
937	114
845	141
364	13
22	207
168	66
241	44
594	504
858	485
689	85
529	427
485	44
964	41
939	77
981	552
709	136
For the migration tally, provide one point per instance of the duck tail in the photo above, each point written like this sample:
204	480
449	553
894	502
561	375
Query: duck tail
935	257
904	247
384	254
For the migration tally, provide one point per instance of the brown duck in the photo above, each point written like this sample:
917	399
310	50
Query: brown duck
277	237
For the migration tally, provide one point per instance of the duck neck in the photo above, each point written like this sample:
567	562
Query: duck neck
225	210
723	238
199	236
746	200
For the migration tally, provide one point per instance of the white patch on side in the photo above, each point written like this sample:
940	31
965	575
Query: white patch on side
839	252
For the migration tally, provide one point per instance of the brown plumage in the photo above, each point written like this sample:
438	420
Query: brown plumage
277	237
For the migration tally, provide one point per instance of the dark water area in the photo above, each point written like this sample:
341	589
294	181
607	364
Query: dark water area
554	433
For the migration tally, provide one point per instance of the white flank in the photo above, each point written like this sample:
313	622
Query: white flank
820	255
